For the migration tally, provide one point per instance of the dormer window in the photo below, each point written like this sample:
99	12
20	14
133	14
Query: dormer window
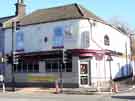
106	40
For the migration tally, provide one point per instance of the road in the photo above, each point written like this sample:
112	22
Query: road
58	97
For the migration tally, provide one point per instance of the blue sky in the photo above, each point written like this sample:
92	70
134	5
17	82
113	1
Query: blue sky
106	9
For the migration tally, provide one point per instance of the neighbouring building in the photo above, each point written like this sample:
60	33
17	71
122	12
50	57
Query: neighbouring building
96	52
5	23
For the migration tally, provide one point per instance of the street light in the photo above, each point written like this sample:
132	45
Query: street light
13	54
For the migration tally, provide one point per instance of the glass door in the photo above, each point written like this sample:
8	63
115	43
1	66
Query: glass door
84	74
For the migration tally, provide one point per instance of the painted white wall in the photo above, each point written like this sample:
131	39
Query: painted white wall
100	70
34	36
34	41
99	30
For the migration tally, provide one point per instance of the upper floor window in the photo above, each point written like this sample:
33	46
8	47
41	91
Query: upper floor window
85	40
106	40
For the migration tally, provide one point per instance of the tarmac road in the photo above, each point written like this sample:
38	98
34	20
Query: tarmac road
58	97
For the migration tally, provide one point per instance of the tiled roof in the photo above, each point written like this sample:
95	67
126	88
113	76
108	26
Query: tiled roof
72	11
4	19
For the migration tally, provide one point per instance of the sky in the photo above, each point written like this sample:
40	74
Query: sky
122	10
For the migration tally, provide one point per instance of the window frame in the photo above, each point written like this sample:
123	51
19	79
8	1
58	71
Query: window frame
64	67
106	40
24	68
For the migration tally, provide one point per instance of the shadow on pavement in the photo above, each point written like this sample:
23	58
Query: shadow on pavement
124	97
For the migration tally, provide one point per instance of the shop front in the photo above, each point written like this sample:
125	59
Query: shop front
76	72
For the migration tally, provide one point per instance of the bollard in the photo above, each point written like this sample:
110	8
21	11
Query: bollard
114	87
57	87
3	87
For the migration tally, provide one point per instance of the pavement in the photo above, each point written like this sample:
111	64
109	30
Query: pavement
51	97
37	90
129	91
40	94
52	91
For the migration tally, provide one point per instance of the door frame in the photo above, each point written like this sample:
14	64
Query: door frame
87	74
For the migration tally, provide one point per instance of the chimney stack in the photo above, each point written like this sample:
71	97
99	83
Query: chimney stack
20	8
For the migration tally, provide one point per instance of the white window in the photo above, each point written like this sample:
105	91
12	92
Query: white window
85	40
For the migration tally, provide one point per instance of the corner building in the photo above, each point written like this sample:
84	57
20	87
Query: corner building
96	51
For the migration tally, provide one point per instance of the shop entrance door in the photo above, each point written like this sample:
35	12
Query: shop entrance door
84	74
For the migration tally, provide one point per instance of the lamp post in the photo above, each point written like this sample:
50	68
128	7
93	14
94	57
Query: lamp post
13	55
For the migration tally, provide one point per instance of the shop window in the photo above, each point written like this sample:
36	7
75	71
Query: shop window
19	67
30	68
48	67
57	67
36	68
106	40
26	68
69	67
62	68
15	68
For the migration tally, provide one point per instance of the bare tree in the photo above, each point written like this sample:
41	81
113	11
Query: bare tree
124	27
